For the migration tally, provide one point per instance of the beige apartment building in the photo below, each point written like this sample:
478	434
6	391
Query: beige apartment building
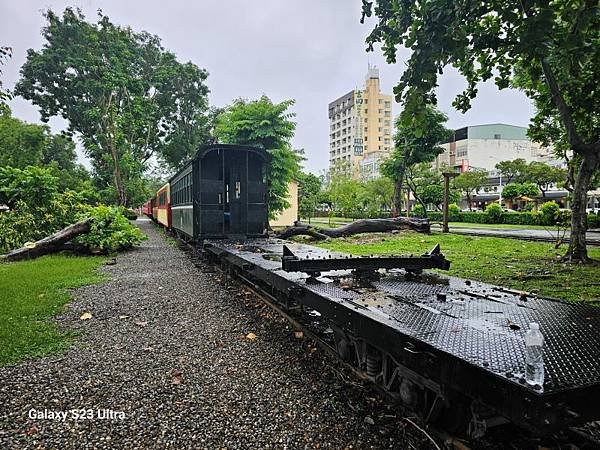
360	129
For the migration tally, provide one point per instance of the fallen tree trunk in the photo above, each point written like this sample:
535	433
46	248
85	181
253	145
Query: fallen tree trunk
356	227
50	244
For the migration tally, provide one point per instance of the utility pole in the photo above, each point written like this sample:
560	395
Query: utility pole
447	176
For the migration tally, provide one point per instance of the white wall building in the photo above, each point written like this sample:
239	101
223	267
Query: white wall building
484	146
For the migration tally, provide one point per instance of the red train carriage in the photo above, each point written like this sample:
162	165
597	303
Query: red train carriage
147	209
153	207
163	206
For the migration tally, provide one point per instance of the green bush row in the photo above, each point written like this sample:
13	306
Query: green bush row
547	215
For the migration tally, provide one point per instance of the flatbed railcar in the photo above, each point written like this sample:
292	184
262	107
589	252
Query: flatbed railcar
449	349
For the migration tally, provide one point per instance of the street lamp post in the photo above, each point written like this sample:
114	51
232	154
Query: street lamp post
447	176
500	192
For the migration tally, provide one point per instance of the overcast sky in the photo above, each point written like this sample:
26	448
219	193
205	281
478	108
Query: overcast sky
312	51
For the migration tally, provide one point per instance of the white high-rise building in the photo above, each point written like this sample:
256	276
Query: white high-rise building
361	129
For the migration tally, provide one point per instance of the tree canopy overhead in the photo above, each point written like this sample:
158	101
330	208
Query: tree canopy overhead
548	49
120	90
270	126
413	146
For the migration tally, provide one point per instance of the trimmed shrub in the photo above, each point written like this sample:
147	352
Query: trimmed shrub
418	211
494	213
453	212
524	218
549	213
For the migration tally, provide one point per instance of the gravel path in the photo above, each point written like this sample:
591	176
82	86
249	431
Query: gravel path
167	348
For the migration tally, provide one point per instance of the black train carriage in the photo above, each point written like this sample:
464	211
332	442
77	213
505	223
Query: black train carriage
221	193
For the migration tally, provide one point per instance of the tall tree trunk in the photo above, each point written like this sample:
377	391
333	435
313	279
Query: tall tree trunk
398	197
117	178
577	246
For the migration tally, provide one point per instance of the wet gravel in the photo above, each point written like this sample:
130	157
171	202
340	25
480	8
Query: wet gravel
167	348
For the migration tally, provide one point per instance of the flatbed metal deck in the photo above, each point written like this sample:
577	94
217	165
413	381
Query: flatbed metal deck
448	335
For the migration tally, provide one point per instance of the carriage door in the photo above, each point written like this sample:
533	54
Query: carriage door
235	192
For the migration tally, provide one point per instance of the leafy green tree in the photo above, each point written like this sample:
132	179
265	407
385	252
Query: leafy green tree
427	186
413	146
21	144
469	183
5	52
267	125
379	195
309	194
543	175
60	150
548	49
347	195
513	191
121	92
31	185
512	169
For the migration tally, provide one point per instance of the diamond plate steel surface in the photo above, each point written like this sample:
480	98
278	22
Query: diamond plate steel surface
479	323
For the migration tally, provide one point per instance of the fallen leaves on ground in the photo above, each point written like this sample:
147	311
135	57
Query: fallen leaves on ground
251	336
86	316
176	376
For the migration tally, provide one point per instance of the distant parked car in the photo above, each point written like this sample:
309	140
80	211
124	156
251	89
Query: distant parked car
507	210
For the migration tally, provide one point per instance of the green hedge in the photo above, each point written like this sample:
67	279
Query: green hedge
517	218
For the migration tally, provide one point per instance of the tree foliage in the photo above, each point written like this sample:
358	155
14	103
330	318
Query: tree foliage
21	144
513	191
38	208
120	90
309	194
346	195
543	175
414	146
512	170
267	125
469	183
5	52
427	186
359	199
548	49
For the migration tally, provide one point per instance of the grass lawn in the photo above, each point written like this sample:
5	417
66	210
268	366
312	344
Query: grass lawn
504	226
31	293
338	221
528	266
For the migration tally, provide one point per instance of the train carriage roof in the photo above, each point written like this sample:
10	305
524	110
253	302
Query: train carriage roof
202	151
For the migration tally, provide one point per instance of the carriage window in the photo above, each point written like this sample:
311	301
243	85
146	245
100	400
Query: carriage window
238	187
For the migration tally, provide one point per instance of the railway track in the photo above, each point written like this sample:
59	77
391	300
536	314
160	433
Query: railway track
437	438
